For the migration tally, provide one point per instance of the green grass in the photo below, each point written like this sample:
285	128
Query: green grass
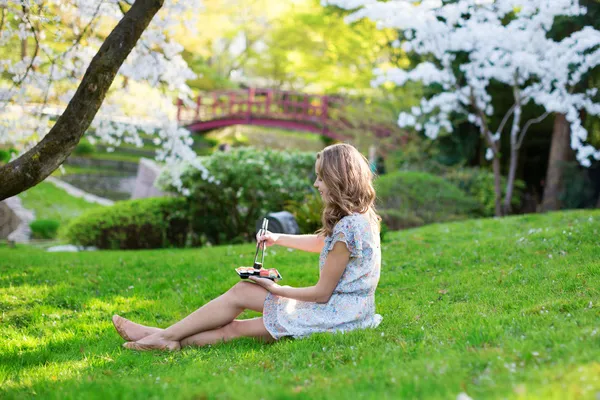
493	308
76	170
116	156
51	202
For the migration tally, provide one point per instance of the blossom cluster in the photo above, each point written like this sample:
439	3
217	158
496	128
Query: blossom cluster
505	41
59	38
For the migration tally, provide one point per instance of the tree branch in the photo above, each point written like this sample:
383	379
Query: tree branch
39	162
506	117
528	124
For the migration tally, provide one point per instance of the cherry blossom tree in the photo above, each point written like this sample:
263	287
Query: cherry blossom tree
67	58
469	44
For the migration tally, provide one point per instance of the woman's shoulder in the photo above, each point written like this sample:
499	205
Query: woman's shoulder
352	221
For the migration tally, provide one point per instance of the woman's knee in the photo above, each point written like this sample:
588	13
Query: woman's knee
239	292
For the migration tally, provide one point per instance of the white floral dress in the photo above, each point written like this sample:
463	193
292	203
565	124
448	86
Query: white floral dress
352	304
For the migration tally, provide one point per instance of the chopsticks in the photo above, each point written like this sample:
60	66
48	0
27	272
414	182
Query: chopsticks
262	231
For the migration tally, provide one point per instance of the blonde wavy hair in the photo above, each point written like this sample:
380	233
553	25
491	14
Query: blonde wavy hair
349	180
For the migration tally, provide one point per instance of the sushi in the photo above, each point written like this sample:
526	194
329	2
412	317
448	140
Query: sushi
271	273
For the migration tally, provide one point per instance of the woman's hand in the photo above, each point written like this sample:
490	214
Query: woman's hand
269	238
266	283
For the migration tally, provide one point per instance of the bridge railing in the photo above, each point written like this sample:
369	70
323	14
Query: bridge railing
258	103
316	113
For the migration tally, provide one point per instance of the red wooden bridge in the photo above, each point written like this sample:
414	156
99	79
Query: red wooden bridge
323	115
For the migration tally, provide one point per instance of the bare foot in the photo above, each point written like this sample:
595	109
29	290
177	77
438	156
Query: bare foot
153	342
131	331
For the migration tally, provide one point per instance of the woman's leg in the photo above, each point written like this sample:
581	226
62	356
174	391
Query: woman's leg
215	314
237	328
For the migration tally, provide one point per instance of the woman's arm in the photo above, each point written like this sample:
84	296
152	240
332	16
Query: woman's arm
332	271
310	243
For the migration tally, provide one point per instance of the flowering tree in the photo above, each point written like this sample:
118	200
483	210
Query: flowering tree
57	65
468	44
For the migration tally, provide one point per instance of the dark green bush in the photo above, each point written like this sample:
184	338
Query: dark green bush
400	219
307	212
133	224
479	184
578	188
84	148
6	154
245	185
44	228
407	199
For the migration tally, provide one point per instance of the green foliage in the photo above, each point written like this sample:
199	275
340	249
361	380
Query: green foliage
578	188
307	212
246	184
479	184
6	154
407	199
84	148
44	228
476	307
400	219
134	224
383	231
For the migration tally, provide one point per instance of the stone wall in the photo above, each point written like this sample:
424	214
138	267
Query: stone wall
8	220
12	212
147	173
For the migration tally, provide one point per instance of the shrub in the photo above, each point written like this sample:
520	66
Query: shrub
84	148
307	212
400	219
44	228
383	231
578	188
407	199
133	224
6	154
479	184
246	184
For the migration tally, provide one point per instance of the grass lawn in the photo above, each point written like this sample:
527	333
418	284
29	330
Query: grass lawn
75	170
51	202
492	308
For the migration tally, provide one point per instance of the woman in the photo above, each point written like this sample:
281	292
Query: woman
343	299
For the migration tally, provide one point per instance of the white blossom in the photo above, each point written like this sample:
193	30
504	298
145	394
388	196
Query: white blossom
506	41
45	80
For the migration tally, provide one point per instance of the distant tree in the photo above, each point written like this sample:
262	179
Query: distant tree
57	68
467	45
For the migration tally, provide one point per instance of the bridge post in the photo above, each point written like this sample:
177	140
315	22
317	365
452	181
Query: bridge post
231	101
305	105
250	102
198	104
324	111
268	103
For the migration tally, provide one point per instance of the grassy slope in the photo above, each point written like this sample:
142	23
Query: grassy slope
496	309
51	202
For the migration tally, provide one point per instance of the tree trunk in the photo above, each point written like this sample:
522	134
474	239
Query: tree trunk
497	185
560	152
510	184
39	162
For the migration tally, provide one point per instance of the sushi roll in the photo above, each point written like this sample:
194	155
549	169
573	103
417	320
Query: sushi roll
245	272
